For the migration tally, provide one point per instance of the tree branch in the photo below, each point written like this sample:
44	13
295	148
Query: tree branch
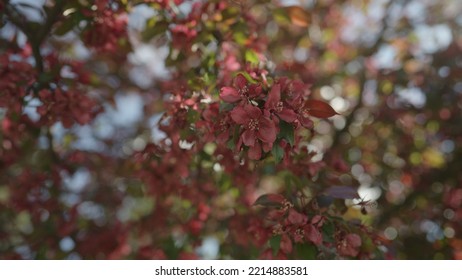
363	78
35	38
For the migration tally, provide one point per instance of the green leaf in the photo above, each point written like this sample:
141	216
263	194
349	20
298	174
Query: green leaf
280	16
193	116
247	77
170	249
290	180
251	56
68	24
306	251
230	13
287	132
154	28
328	230
275	243
46	77
231	144
224	107
277	152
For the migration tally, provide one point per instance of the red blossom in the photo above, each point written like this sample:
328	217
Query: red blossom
349	245
68	107
242	90
256	126
297	218
183	34
312	234
286	244
276	106
107	28
217	124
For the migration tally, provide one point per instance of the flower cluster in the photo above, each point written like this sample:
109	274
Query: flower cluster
68	107
287	225
257	111
16	76
106	29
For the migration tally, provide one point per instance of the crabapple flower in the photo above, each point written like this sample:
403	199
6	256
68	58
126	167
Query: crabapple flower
242	90
277	106
256	125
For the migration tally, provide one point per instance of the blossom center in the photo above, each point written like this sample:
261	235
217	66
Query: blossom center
290	90
243	91
279	107
277	229
286	205
299	232
253	124
223	125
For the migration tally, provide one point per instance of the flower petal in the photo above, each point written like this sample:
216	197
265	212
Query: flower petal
255	90
287	115
248	137
273	97
286	244
223	137
306	122
229	94
313	234
267	130
255	151
240	81
253	112
239	115
267	147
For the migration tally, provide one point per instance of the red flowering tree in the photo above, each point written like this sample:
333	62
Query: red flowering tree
229	129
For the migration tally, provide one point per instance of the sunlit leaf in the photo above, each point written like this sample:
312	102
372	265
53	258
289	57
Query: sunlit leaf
298	16
247	77
153	29
251	56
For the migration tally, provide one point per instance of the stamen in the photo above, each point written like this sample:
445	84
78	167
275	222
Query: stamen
279	106
243	91
253	124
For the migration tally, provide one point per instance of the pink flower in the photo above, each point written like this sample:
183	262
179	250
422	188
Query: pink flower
275	105
242	90
292	91
256	127
349	245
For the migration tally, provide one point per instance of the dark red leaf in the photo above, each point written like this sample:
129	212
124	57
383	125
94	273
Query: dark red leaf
319	109
270	200
343	192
